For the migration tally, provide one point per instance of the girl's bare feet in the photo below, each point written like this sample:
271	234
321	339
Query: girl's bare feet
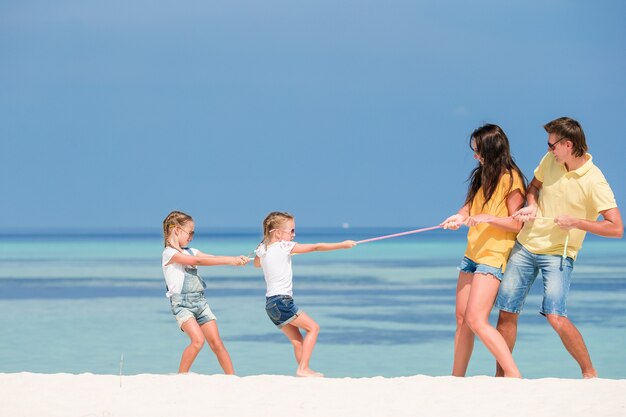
308	372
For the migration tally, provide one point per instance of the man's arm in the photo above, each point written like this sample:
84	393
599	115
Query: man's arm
532	196
611	224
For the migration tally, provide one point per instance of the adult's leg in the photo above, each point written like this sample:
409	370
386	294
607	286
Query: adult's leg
556	284
295	337
507	327
479	305
196	342
312	329
463	337
573	342
520	274
212	336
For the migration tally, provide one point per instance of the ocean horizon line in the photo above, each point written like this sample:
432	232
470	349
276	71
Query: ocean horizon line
200	231
356	232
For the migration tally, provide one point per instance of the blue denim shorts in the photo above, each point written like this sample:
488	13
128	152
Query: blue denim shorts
471	267
521	271
281	309
191	305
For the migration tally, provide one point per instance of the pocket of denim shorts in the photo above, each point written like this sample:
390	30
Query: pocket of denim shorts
176	306
273	312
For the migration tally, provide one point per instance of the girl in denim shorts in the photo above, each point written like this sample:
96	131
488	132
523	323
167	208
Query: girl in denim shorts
496	190
274	256
185	289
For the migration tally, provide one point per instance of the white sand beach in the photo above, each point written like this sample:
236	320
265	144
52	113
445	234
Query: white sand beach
87	395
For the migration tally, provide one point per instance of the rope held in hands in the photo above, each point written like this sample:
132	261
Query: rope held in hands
410	232
426	229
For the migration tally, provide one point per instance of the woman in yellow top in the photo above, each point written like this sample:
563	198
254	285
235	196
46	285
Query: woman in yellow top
496	190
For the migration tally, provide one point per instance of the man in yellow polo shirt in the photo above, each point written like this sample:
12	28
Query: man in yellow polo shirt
564	201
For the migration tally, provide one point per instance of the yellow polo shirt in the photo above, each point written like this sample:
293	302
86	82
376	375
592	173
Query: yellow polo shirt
487	244
582	193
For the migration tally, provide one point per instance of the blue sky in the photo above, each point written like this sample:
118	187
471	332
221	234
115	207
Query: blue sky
116	112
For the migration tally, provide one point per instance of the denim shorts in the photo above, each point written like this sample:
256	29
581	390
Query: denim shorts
471	267
191	305
281	309
521	271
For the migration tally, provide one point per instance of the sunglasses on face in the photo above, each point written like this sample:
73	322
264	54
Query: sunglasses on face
553	145
292	231
189	233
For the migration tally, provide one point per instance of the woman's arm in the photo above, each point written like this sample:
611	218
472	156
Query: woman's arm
322	247
456	220
514	202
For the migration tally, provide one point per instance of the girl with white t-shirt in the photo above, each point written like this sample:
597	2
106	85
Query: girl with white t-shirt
274	256
185	289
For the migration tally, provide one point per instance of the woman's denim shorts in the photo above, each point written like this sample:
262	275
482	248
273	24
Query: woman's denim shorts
471	267
281	309
191	305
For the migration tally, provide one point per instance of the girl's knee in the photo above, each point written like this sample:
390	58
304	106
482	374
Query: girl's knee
315	328
217	345
197	344
297	344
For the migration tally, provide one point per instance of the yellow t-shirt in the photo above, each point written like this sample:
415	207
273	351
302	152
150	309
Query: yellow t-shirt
487	244
582	193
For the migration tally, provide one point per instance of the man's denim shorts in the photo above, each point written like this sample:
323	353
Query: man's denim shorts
471	267
281	309
521	271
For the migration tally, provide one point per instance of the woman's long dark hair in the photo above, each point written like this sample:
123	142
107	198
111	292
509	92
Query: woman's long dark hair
492	146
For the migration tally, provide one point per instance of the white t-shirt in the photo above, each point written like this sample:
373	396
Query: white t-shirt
276	264
174	273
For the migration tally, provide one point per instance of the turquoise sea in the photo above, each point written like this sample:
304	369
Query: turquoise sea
77	302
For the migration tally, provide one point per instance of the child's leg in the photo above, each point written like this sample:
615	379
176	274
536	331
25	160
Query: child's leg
312	329
212	336
295	337
191	329
464	337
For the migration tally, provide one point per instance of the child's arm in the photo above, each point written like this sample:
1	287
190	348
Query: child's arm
257	262
208	260
322	247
